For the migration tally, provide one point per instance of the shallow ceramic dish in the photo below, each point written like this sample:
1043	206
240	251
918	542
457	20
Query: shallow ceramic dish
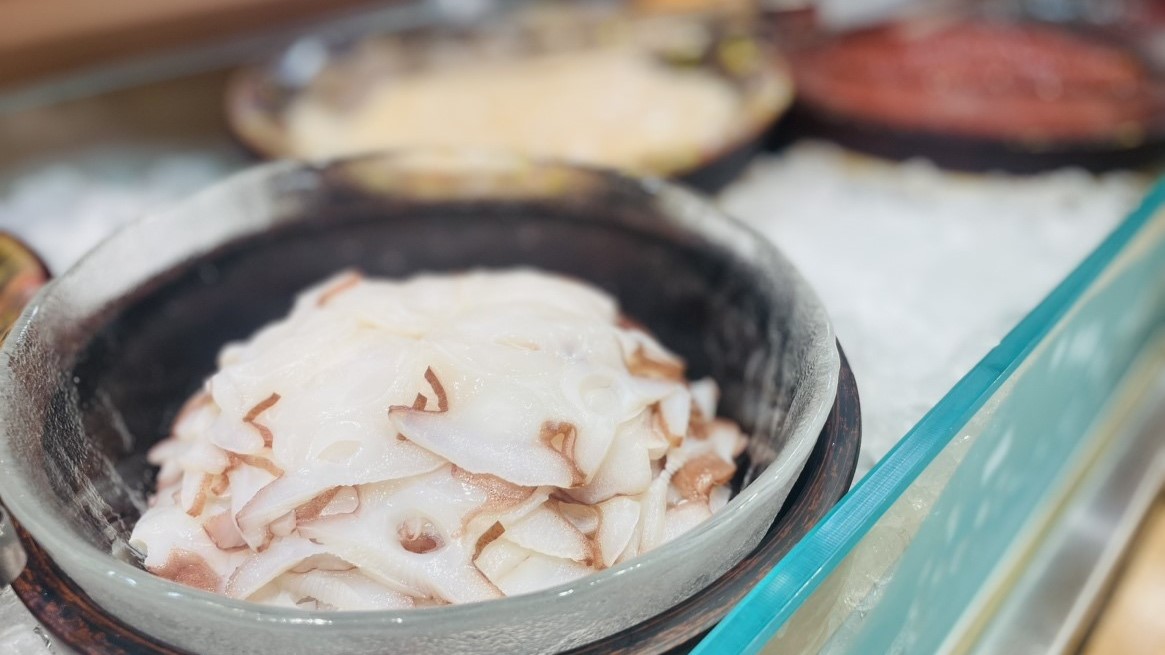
100	361
339	75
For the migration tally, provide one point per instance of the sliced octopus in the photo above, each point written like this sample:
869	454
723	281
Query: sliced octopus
442	439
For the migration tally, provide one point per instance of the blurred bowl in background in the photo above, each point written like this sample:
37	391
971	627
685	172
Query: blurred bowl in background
683	96
976	92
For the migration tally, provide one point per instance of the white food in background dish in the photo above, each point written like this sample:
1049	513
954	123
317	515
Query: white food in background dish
615	107
442	439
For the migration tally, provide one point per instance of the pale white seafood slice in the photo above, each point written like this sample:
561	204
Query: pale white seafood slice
491	388
603	399
223	531
325	562
344	399
194	491
383	563
190	465
426	301
719	498
627	467
618	518
705	396
485	436
633	545
176	547
276	596
336	501
245	482
409	535
656	440
282	526
407	309
584	517
653	505
525	287
684	517
500	557
535	330
343	590
259	569
539	572
444	573
204	457
195	417
330	377
548	532
339	414
165	454
506	503
185	449
718	436
485	425
281	354
232	434
296	488
675	412
646	357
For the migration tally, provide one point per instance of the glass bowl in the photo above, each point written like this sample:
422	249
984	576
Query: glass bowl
102	358
341	74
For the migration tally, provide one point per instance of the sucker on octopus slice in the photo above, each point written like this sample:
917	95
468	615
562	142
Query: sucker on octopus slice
375	536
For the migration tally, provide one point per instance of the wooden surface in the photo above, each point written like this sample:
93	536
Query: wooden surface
1133	621
180	114
52	37
77	621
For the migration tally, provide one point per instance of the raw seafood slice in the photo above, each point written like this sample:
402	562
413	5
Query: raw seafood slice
444	439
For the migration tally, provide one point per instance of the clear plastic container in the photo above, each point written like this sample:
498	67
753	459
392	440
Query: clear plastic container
907	560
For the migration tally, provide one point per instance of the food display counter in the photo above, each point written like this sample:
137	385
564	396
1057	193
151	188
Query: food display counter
992	500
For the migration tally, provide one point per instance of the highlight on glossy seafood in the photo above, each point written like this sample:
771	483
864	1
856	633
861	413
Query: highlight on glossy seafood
442	439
